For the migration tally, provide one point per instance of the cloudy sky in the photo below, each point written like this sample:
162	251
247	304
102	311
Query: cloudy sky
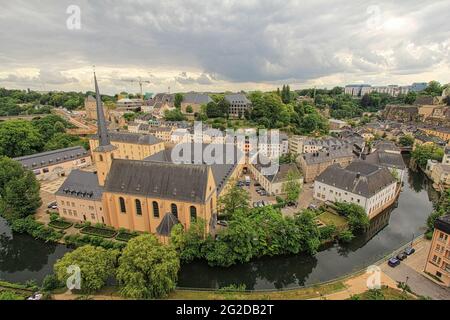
217	45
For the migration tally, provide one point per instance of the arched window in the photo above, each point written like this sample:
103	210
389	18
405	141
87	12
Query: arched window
123	209
100	157
193	211
138	207
174	209
155	209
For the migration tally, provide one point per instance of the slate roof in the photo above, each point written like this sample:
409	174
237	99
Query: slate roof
282	172
237	98
135	138
158	179
386	159
371	180
166	224
221	172
196	98
327	155
424	100
82	185
443	223
44	159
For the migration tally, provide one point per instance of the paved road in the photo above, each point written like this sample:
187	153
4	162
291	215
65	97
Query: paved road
413	268
418	283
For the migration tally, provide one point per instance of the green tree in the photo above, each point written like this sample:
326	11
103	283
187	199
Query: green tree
357	217
48	127
234	199
19	138
19	190
434	89
178	100
189	243
292	186
406	140
174	115
422	153
96	265
147	268
410	97
63	140
189	109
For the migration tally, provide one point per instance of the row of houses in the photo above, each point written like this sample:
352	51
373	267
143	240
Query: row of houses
359	90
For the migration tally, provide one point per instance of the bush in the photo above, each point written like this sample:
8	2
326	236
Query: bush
125	236
82	240
327	232
51	283
346	236
35	229
54	217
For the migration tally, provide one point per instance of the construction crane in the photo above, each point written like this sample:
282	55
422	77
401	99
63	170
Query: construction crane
140	82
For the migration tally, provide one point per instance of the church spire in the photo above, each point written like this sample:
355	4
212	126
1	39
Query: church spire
103	135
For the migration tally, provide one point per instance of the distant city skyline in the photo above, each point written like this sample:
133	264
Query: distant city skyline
218	46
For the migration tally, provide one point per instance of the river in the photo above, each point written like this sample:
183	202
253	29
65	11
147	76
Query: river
22	258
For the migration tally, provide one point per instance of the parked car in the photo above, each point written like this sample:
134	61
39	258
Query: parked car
36	296
222	223
263	193
409	251
255	204
402	256
393	262
312	206
53	204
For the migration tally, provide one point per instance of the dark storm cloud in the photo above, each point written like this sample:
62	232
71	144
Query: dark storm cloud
236	41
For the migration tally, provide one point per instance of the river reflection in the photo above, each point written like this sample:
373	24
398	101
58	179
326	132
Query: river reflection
390	230
22	258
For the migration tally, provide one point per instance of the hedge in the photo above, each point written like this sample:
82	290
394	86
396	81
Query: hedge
77	240
125	236
63	225
36	229
99	232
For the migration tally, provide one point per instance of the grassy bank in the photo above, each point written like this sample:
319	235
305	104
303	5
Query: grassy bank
297	294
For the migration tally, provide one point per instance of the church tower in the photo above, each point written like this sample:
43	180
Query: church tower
103	154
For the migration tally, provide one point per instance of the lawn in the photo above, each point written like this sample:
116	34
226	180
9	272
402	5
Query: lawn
385	293
297	294
331	218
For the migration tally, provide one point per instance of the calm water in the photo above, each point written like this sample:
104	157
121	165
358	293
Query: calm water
22	258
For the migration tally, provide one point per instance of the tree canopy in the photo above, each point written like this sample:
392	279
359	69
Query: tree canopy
147	268
96	266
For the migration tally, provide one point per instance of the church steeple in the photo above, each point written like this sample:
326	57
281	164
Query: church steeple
103	155
103	135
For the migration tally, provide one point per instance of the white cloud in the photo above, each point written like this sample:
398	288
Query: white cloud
224	45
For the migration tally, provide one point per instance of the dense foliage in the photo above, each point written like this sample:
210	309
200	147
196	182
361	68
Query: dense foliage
233	200
20	137
250	234
357	218
147	268
96	265
441	208
422	153
19	190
